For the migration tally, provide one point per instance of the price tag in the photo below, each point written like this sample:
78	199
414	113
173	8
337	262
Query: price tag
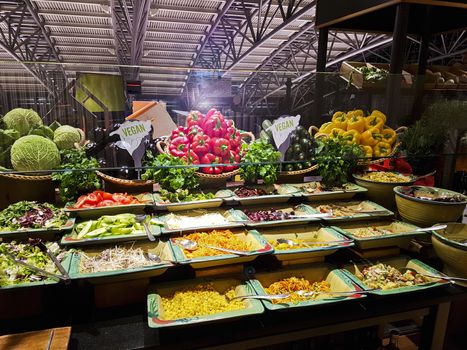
132	134
281	129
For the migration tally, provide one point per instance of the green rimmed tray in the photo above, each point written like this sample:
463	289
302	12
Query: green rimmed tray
181	206
348	192
387	240
38	232
155	311
231	221
89	213
70	239
379	211
337	279
309	233
49	281
298	209
399	262
259	244
284	193
159	248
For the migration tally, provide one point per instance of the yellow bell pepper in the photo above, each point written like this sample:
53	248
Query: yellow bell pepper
326	128
358	113
367	150
336	132
380	114
351	136
339	120
389	135
373	121
382	149
370	137
356	123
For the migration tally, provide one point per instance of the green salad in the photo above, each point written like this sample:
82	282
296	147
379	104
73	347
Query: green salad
109	225
11	273
184	196
26	215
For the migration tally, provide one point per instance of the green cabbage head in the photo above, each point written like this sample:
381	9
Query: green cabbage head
22	120
65	137
34	152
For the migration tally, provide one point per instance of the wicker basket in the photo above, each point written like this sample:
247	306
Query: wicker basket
313	130
161	146
18	187
114	184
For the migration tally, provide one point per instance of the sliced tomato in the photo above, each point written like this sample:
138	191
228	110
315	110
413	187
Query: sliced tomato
80	202
106	203
119	198
107	195
92	198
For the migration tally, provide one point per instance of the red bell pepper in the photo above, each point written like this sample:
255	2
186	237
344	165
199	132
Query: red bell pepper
210	158
193	131
234	137
229	123
179	146
211	112
231	158
215	126
180	131
194	118
220	146
201	144
191	157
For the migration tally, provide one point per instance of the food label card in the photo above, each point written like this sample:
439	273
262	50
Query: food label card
281	129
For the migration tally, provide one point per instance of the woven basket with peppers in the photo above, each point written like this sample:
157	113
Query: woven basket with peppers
377	140
207	139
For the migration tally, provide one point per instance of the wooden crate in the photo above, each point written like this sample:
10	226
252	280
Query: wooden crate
430	79
445	73
350	74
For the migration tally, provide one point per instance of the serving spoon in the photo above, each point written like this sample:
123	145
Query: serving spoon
447	278
142	219
421	229
192	245
302	293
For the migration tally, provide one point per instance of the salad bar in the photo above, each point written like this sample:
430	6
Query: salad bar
217	237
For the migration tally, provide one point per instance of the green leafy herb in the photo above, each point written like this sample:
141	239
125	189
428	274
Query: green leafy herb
72	182
171	173
258	152
336	159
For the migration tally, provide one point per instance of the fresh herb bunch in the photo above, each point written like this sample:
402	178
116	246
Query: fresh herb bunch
74	183
257	152
373	73
336	159
170	172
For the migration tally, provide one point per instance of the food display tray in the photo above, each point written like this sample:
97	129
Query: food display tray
387	240
399	262
349	191
201	204
299	210
233	222
160	248
70	239
38	232
156	312
90	213
259	244
380	212
310	233
284	193
338	280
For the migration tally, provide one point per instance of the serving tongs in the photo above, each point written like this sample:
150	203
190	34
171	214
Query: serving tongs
63	274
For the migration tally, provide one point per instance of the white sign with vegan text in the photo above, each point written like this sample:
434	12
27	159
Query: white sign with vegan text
131	135
282	127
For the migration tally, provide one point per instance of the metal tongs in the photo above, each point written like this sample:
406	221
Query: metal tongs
38	242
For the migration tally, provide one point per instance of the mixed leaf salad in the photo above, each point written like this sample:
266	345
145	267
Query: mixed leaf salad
184	196
11	273
26	215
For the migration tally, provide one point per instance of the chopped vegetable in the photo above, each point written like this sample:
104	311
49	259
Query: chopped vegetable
268	215
31	215
109	225
184	196
384	277
294	284
104	199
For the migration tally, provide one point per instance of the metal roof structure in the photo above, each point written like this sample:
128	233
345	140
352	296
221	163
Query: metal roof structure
260	45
